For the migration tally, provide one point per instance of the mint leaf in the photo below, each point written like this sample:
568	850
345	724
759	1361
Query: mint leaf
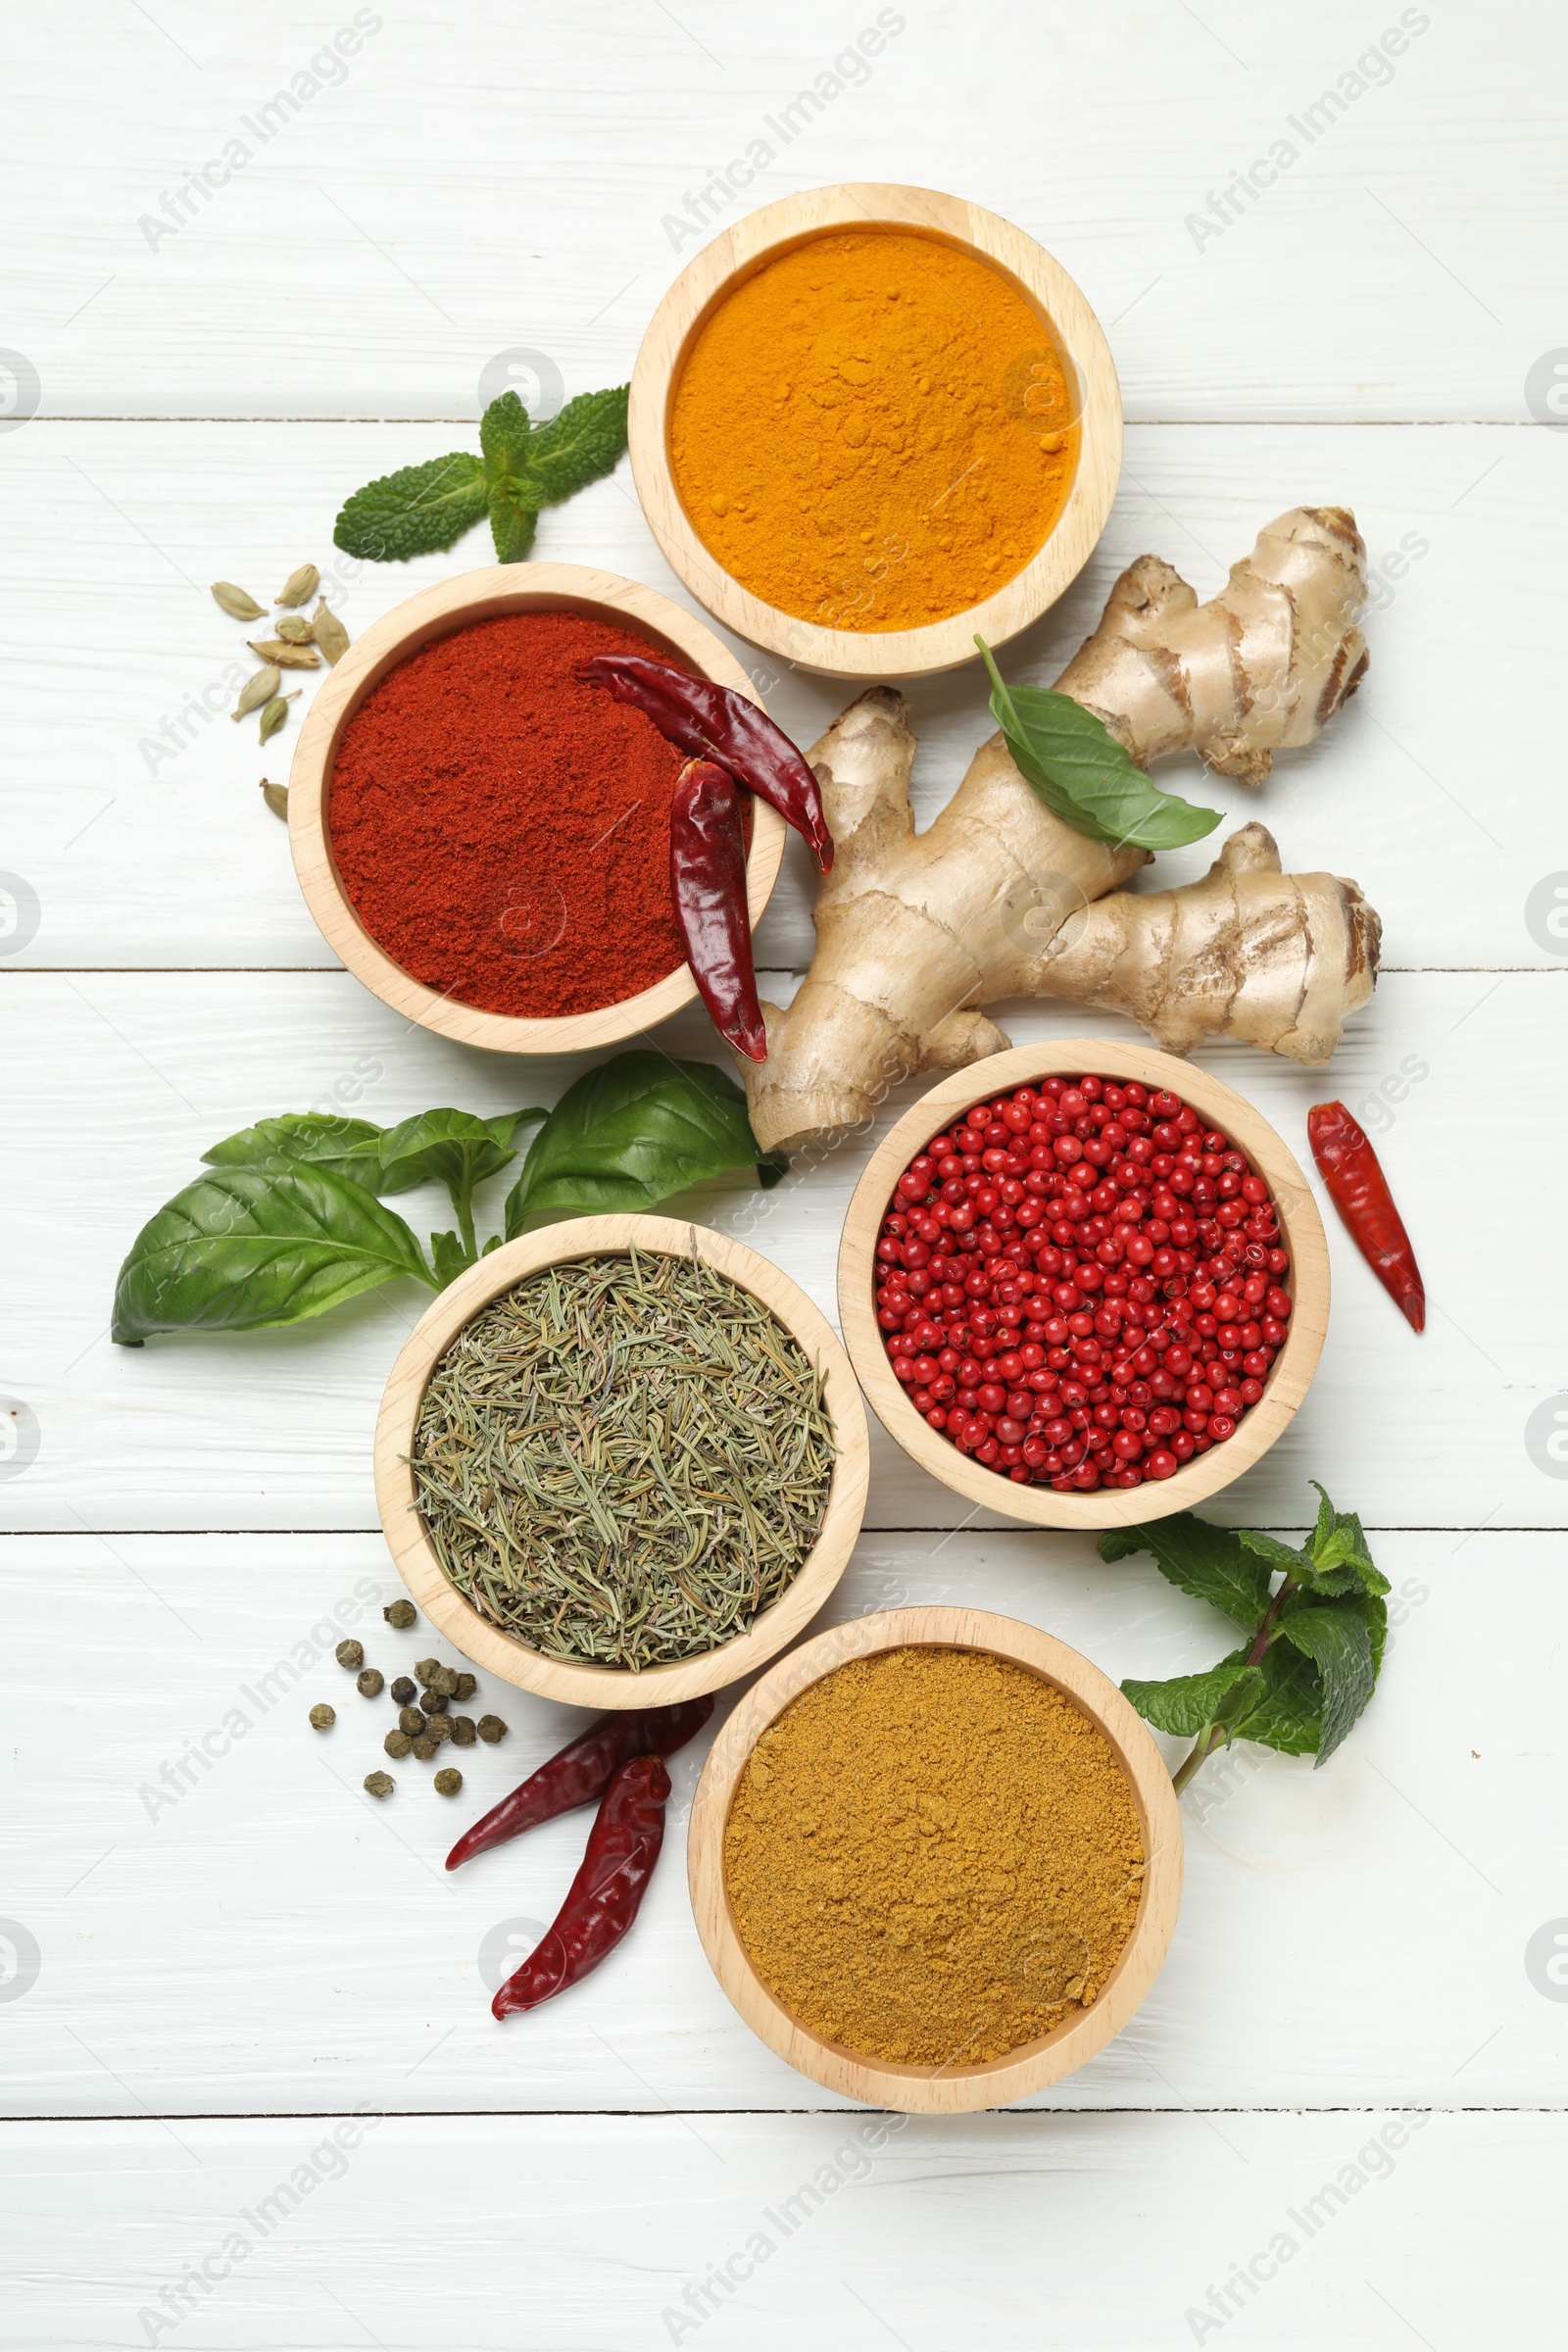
512	522
1188	1702
416	512
1209	1562
505	434
1337	1642
1287	1715
1294	1562
1339	1554
1082	773
582	443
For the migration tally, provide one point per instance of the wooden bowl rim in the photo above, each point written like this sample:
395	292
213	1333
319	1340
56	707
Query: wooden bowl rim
583	1684
1307	1282
736	253
996	2082
438	612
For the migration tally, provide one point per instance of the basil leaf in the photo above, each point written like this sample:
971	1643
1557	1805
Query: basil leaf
414	512
629	1134
1337	1642
1188	1702
249	1247
585	441
1082	773
451	1147
1210	1563
319	1137
449	1258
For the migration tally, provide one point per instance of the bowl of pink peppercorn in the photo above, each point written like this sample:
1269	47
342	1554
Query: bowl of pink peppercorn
1085	1285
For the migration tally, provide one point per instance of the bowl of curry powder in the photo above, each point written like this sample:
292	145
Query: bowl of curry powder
935	1859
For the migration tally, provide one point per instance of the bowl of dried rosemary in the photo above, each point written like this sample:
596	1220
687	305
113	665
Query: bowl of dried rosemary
622	1461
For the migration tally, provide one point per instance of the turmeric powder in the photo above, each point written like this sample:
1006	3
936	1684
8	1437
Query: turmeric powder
874	431
933	1856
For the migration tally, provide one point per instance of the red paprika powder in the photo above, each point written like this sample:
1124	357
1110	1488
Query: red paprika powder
503	829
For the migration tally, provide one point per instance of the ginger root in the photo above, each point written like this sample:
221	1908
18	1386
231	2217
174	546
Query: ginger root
1000	897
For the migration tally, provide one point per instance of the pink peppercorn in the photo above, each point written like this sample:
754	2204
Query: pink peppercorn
1080	1285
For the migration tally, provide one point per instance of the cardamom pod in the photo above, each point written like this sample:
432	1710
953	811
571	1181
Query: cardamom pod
300	586
277	712
235	603
286	655
295	630
330	635
276	798
256	691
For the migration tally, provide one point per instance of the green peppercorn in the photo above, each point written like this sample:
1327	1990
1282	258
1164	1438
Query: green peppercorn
401	1614
438	1727
491	1729
372	1683
324	1717
350	1654
463	1731
436	1677
467	1685
426	1748
424	1668
431	1702
448	1780
409	1719
403	1691
379	1783
397	1745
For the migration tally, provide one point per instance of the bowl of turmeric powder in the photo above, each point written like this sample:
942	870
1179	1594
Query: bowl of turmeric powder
870	422
935	1859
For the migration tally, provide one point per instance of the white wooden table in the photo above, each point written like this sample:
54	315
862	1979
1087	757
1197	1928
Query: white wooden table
252	2092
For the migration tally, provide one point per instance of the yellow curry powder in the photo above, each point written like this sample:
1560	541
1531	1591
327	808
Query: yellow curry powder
932	1855
874	431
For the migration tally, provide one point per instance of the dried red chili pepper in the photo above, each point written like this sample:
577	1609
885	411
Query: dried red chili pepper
708	882
709	722
604	1896
1359	1191
582	1770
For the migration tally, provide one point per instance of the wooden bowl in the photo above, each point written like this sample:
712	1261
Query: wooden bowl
438	612
738	254
402	1521
938	2089
1307	1283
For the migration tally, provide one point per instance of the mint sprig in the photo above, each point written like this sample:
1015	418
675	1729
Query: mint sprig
1082	773
521	469
1316	1642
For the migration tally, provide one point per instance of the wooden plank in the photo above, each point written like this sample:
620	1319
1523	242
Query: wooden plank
226	1925
573	2234
142	854
131	1076
1397	252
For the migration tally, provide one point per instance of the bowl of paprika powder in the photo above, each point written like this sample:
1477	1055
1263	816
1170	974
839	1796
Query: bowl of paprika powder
482	837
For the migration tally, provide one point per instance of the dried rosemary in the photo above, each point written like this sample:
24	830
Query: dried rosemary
624	1459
